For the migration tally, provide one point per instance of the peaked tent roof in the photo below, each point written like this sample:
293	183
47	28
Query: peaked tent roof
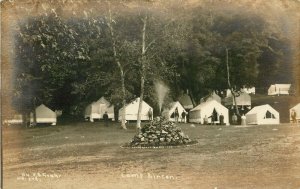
44	111
296	107
210	103
214	96
103	100
173	105
136	100
186	101
261	109
244	99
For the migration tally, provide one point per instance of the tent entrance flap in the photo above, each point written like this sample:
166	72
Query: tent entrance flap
215	115
269	115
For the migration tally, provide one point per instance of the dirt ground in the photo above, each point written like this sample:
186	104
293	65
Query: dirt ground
88	155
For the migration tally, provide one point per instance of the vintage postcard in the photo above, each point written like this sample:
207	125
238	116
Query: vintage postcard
150	94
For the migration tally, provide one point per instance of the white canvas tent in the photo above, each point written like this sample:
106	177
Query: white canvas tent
43	115
212	96
278	89
96	110
250	90
262	115
132	110
170	110
243	99
297	110
197	114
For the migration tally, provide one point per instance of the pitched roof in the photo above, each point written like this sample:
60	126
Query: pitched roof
210	103
262	108
186	101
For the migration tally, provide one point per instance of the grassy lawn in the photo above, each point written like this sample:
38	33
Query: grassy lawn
88	155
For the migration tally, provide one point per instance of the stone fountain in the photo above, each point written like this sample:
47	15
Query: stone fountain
160	133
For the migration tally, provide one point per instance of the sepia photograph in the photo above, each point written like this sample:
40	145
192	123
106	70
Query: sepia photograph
150	94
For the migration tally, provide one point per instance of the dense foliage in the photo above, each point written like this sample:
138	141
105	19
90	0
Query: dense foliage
67	63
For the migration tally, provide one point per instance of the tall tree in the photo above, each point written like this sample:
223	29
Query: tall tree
156	37
243	39
47	56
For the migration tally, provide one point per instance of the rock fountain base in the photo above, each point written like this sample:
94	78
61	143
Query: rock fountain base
160	133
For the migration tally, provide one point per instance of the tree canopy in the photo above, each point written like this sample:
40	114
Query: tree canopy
67	62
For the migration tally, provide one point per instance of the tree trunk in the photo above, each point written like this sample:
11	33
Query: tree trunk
229	84
143	62
123	121
24	119
34	118
34	112
235	105
122	74
138	124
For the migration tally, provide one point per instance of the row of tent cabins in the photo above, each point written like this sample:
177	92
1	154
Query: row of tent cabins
92	112
274	89
210	106
212	110
43	115
264	114
97	109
